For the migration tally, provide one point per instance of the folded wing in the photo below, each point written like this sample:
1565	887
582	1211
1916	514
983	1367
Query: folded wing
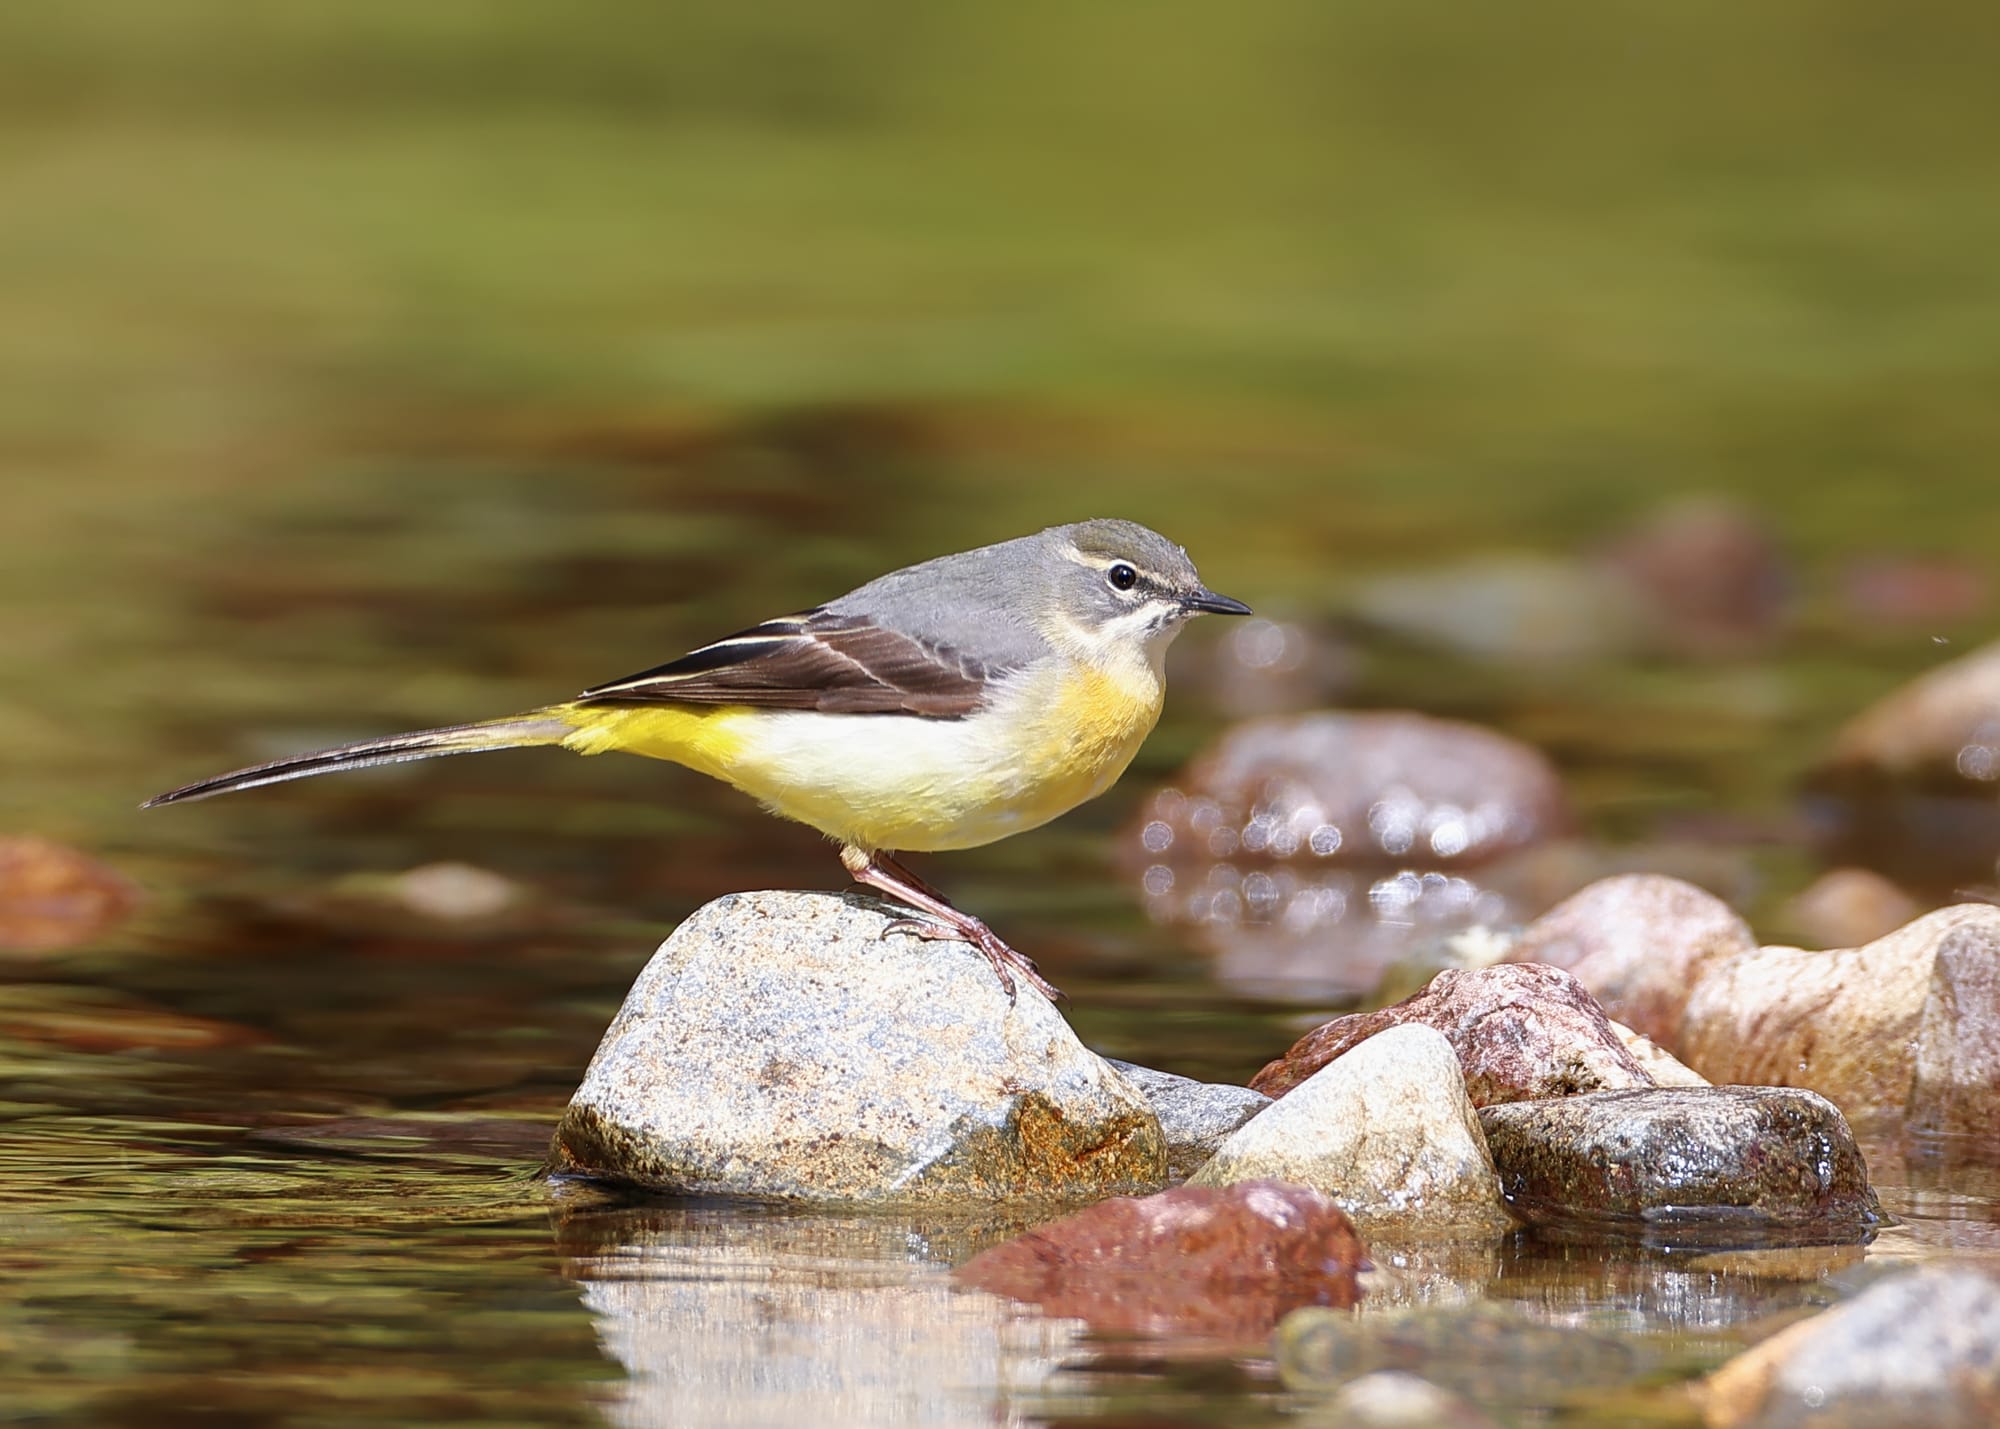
818	660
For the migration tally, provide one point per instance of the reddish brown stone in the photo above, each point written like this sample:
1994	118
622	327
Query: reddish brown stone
52	896
1224	1262
1638	942
1521	1031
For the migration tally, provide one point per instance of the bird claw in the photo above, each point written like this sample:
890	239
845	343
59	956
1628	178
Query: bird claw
996	952
924	928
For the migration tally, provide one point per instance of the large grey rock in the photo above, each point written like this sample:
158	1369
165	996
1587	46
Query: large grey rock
1387	1131
777	1045
1920	1348
1195	1117
1691	1160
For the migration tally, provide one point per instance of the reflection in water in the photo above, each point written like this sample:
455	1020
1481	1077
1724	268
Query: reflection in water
722	1316
1278	933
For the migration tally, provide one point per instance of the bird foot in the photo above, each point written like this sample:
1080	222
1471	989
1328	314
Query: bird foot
1005	960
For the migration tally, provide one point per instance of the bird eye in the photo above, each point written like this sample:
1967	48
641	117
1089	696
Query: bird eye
1122	577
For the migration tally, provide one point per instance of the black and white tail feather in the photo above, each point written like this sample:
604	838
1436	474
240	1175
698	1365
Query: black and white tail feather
517	732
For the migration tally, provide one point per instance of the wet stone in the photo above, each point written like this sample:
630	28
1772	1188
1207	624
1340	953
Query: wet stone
1387	1131
1638	942
1903	1031
1920	1348
1519	1031
1195	1117
1692	1163
1222	1262
778	1046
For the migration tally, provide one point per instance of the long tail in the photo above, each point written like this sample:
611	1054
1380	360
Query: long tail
515	732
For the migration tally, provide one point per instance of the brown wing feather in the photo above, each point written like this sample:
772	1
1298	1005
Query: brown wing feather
815	661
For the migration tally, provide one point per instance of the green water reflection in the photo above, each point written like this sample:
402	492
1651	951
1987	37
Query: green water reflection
370	366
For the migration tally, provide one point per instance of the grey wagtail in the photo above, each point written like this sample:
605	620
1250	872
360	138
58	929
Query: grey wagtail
943	706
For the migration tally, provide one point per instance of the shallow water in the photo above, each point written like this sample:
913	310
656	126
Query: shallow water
332	405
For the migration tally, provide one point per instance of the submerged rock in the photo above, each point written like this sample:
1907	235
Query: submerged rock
53	896
1386	1130
1195	1117
1395	1399
1903	1030
1492	1353
1683	1160
1917	1348
1226	1262
1519	1031
1638	941
777	1045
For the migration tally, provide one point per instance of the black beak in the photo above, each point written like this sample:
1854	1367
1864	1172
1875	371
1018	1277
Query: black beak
1208	601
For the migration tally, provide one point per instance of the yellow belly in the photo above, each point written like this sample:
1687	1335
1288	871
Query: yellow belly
1046	744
